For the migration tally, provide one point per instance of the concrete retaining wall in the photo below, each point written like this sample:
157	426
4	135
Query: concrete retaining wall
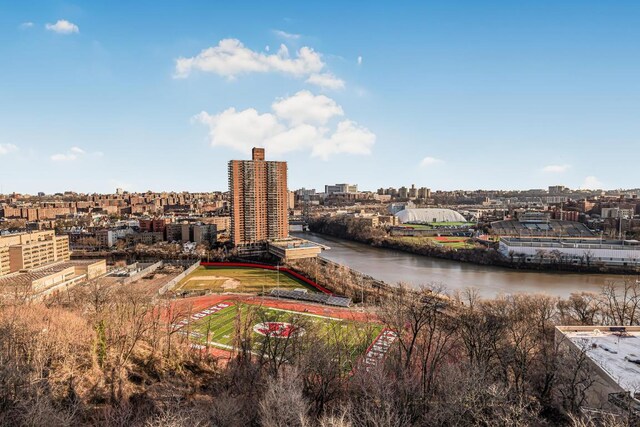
178	278
142	273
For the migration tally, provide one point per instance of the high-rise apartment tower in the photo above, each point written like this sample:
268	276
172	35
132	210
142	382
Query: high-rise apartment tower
258	193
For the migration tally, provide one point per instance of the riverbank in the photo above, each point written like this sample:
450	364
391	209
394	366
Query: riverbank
393	266
346	228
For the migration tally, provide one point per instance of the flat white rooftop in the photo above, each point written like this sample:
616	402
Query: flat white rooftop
616	352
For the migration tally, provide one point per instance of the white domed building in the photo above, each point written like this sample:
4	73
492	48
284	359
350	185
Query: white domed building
428	216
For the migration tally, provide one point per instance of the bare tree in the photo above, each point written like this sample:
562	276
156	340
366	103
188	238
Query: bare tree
282	403
621	302
576	376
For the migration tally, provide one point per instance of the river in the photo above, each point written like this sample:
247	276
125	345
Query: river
392	266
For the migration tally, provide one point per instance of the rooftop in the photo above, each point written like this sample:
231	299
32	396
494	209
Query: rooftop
583	243
26	278
295	243
614	349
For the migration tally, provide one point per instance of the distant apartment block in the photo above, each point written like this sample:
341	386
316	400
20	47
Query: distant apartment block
222	223
557	189
340	188
259	199
108	238
424	193
25	251
191	232
617	213
291	200
146	238
155	225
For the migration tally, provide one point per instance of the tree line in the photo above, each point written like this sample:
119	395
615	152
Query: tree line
106	355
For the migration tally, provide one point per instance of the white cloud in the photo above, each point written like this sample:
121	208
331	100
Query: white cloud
285	35
349	138
430	161
359	60
326	81
26	25
299	122
305	107
77	150
556	168
267	48
230	58
63	27
240	130
591	183
64	157
74	153
7	148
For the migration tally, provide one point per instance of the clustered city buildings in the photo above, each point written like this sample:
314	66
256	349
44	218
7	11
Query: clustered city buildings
103	220
258	207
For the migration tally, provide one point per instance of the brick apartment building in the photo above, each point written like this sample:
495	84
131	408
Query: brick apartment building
259	199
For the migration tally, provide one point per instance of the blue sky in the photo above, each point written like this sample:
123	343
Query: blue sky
160	95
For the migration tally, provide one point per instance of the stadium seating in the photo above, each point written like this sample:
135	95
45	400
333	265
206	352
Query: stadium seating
551	228
299	295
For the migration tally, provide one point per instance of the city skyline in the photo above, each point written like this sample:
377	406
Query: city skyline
446	96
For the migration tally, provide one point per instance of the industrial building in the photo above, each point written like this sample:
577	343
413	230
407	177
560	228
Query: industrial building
540	228
581	251
259	199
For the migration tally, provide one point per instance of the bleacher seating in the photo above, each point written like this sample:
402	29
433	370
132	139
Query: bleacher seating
338	301
335	300
552	228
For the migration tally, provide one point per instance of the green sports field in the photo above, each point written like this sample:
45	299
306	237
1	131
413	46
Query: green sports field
238	279
434	225
447	241
449	224
221	328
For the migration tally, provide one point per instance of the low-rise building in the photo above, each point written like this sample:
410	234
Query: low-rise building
581	251
32	250
145	238
293	248
46	280
610	378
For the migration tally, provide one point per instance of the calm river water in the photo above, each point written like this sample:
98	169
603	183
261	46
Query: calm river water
393	266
